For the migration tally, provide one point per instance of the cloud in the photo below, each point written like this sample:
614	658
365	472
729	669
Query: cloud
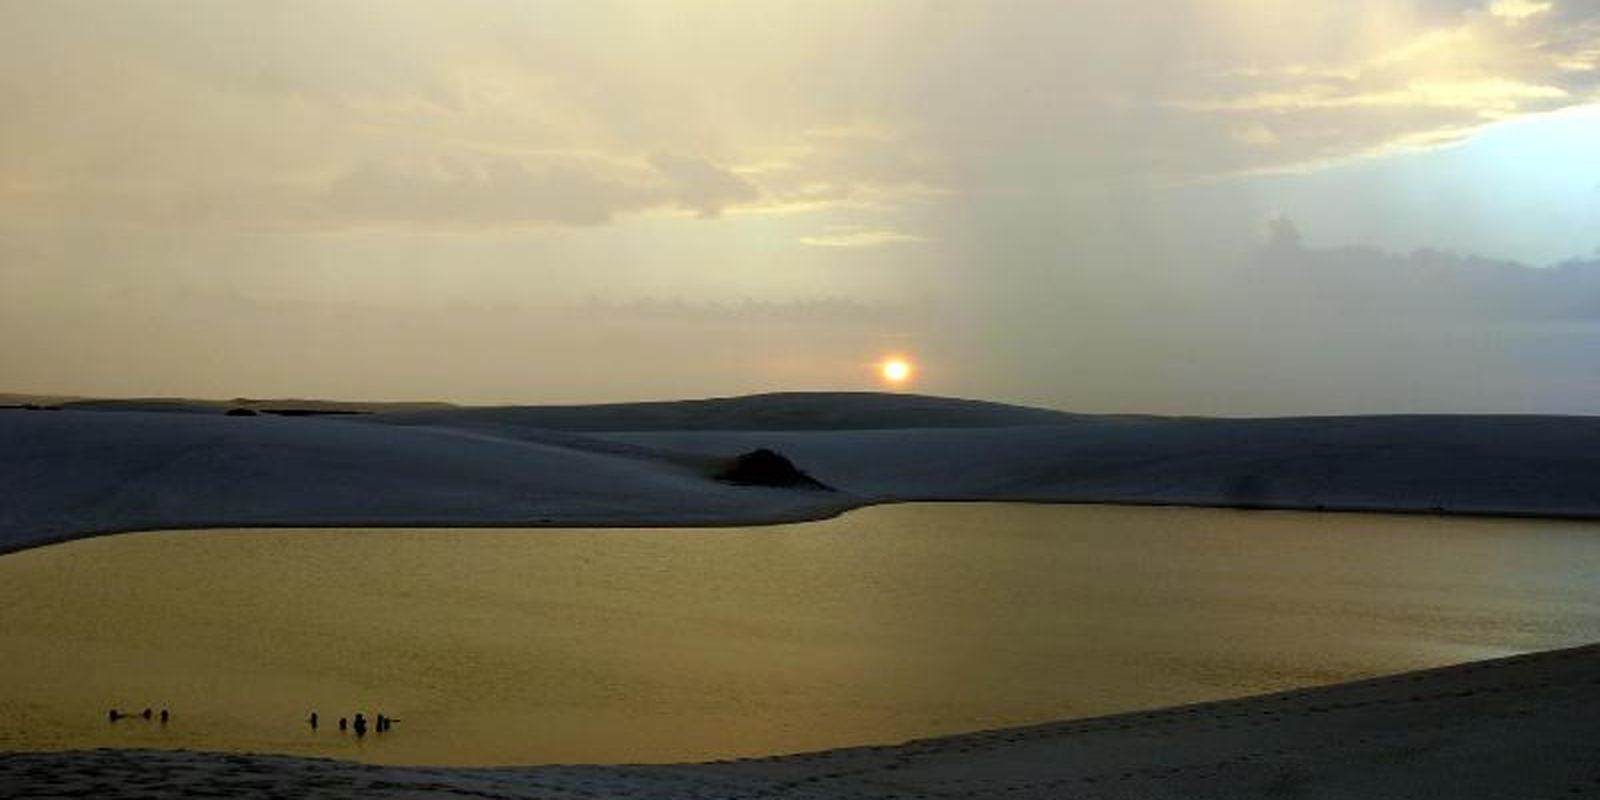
437	193
502	193
505	192
1516	11
1425	284
1484	97
699	185
1438	84
860	166
859	237
237	114
1255	134
303	92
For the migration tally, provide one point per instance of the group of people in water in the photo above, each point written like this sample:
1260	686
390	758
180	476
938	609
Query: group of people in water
114	715
381	724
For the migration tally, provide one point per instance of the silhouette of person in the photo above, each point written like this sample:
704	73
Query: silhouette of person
163	716
343	723
360	724
383	723
113	715
146	713
313	720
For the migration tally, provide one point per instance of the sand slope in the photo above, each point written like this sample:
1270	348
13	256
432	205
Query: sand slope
79	472
1462	464
1522	727
72	473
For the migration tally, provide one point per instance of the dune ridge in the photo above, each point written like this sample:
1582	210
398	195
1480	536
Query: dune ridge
83	472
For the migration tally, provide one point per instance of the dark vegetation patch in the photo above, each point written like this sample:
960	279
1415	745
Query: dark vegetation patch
765	467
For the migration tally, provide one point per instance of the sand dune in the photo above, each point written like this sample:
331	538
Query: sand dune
82	472
782	411
1456	464
1521	727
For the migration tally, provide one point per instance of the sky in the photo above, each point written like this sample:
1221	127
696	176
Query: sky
1228	207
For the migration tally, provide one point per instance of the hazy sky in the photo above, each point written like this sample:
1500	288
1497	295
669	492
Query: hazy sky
1199	206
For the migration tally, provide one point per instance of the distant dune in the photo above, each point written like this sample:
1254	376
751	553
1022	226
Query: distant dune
783	411
186	405
82	471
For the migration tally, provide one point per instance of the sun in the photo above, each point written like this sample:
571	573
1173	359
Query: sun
895	370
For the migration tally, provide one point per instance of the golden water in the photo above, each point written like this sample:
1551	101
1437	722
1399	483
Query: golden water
532	646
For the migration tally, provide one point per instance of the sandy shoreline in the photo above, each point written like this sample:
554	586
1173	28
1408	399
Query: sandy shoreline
1516	727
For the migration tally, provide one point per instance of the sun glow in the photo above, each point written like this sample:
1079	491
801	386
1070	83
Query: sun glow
895	371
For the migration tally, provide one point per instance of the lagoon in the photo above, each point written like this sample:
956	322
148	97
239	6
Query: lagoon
625	645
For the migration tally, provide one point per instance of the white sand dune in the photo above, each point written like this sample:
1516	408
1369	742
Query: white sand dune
1522	727
76	473
113	468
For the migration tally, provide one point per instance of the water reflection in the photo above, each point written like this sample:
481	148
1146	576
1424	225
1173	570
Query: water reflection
627	645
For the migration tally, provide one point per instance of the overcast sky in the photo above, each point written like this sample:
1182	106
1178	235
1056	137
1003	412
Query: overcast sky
1187	206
